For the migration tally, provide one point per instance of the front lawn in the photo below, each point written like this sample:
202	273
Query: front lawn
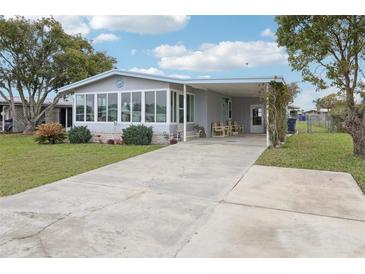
322	151
25	164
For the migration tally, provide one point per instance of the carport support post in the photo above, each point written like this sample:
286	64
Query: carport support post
267	116
185	113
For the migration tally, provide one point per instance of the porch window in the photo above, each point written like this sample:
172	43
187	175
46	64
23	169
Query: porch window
150	106
126	107
136	107
112	107
102	107
90	107
80	108
155	106
190	106
161	106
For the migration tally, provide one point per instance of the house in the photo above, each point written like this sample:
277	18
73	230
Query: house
111	101
61	113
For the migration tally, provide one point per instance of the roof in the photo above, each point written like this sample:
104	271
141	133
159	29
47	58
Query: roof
18	101
192	82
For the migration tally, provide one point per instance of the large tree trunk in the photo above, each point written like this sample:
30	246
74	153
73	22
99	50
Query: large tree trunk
29	127
356	128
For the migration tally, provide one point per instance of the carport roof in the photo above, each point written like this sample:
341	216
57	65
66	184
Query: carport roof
228	86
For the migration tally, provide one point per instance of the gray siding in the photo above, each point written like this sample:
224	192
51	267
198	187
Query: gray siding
214	109
130	83
241	110
201	109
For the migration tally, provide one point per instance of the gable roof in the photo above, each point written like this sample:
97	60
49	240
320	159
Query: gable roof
118	72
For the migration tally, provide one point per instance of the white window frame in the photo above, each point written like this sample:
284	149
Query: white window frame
179	92
119	118
155	107
84	120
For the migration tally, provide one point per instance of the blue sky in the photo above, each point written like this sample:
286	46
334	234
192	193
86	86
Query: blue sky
192	46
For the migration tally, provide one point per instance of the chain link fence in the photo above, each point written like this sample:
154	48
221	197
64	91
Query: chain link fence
320	123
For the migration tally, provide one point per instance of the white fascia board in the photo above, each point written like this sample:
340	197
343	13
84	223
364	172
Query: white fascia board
168	79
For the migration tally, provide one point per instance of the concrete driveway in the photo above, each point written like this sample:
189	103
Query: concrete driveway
285	212
147	206
199	199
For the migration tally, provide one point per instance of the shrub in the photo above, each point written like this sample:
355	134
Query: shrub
78	135
110	142
51	133
137	135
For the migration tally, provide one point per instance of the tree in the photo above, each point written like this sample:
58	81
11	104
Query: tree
329	51
278	97
329	101
37	58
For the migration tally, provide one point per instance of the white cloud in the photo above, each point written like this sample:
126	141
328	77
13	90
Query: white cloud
105	37
148	24
143	24
133	51
226	55
267	33
204	76
170	51
73	24
156	71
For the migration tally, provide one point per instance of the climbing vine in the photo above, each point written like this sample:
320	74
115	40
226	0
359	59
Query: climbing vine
277	97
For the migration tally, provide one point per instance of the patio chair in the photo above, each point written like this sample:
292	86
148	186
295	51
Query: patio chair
218	130
236	128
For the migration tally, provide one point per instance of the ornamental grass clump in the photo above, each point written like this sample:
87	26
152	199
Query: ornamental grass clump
51	133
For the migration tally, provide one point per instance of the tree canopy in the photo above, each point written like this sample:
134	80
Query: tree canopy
330	51
37	58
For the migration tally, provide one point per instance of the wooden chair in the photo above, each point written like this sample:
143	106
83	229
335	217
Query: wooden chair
236	128
218	130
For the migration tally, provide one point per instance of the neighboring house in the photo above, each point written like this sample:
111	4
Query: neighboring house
111	101
61	113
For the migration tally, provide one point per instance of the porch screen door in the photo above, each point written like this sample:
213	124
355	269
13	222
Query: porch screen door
257	119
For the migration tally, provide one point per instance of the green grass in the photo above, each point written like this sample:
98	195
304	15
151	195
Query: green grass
25	164
322	151
302	128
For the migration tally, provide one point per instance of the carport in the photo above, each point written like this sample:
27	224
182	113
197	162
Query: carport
233	99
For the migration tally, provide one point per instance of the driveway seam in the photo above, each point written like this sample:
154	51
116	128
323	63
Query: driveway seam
294	211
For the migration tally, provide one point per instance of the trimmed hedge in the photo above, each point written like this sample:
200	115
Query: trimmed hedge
137	135
78	135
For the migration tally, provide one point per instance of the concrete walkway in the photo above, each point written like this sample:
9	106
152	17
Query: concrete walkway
199	199
147	206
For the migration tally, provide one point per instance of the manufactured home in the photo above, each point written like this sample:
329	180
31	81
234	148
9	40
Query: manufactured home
111	101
